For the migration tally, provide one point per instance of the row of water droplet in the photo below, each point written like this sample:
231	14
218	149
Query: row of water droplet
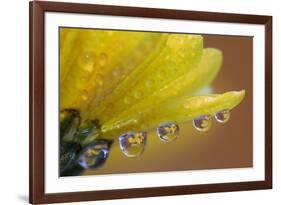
133	144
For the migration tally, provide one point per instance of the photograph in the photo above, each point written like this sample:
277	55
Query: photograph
143	101
129	102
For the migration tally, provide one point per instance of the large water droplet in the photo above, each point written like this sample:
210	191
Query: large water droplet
132	144
202	123
95	154
223	116
168	132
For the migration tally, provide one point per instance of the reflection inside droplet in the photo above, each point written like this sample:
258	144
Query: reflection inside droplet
223	116
95	154
168	132
133	144
202	123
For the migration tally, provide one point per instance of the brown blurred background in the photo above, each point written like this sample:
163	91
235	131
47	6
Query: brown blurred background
224	145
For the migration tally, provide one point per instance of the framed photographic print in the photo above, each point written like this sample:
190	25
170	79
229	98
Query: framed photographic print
138	102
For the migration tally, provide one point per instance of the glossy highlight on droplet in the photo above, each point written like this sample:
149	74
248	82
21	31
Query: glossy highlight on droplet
168	132
95	154
133	144
202	123
223	116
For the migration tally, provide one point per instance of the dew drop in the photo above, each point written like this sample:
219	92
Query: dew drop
149	83
99	82
137	94
135	121
99	79
102	59
84	95
116	72
88	57
127	100
223	116
168	132
95	154
132	144
87	60
202	123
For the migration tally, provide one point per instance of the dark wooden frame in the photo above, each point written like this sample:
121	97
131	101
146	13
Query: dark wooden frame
37	96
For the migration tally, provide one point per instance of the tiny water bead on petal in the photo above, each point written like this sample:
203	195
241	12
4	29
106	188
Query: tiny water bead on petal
84	95
137	94
223	116
127	100
116	72
202	123
168	132
95	154
149	83
103	59
87	60
133	144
